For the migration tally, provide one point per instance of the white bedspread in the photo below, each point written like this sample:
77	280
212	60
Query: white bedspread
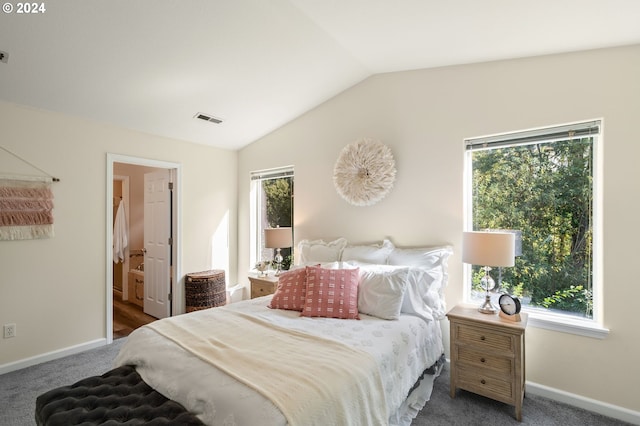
327	383
402	349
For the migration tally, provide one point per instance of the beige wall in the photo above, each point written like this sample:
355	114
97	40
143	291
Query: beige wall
423	116
54	289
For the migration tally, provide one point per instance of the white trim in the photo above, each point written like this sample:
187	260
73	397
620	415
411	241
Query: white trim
567	324
254	224
50	356
598	226
177	286
109	262
585	403
275	173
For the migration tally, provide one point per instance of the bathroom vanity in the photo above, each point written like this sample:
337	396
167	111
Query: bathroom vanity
136	287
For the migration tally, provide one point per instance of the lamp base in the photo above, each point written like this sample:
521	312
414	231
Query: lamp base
487	307
278	259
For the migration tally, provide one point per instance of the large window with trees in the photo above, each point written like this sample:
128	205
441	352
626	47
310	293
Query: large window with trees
272	207
541	184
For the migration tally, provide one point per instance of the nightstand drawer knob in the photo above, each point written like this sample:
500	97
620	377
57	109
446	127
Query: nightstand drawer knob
482	360
483	381
482	338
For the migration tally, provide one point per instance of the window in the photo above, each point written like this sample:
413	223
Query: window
271	206
542	184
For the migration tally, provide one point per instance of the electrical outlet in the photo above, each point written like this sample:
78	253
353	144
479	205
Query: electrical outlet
4	57
9	331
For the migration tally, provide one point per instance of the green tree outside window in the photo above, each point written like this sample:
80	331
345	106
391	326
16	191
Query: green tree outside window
544	190
279	208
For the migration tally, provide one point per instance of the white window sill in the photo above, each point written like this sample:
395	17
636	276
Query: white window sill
566	324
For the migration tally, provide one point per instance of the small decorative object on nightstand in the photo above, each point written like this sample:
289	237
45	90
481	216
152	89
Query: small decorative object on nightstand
510	308
261	267
487	356
263	286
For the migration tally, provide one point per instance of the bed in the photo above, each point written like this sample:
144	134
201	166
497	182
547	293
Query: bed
352	336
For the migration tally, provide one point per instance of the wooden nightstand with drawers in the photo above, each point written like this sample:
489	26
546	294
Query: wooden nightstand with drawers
487	356
262	286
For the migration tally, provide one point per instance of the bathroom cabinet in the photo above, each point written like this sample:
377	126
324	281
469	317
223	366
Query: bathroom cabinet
136	287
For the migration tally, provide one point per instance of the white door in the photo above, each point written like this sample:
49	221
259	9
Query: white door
157	232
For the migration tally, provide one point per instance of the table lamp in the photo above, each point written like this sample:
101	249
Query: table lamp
277	238
487	249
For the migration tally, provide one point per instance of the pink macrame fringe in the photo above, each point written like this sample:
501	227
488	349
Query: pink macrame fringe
24	205
25	210
25	218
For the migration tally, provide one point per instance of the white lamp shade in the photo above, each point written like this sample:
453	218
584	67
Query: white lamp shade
488	248
277	237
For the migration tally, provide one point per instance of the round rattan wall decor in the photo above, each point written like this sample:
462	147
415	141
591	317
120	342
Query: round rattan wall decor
364	172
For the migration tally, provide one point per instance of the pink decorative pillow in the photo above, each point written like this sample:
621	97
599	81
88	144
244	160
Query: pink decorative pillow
291	290
331	293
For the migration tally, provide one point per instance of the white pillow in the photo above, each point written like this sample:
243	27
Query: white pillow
426	279
422	296
337	265
320	251
421	257
419	299
375	253
325	265
431	259
380	293
436	303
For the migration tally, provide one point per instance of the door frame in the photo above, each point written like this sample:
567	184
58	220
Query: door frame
176	249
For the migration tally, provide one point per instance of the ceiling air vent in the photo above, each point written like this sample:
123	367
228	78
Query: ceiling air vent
206	117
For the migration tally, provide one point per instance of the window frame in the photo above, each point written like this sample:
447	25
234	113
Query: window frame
256	206
590	327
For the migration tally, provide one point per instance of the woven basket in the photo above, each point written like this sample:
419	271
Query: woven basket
205	290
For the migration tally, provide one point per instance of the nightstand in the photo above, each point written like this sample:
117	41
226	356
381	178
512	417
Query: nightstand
262	286
487	356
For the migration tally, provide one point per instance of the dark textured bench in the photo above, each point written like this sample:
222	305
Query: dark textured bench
118	397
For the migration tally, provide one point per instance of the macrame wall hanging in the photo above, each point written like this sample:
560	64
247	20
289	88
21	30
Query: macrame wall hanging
364	172
26	205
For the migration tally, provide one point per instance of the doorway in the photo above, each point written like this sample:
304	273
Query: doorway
121	201
132	304
127	185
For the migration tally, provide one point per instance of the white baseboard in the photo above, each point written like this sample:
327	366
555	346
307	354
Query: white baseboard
49	356
585	403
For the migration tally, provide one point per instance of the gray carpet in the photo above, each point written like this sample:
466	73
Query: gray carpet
468	409
19	389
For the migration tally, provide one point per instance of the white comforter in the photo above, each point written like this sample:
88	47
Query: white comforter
402	349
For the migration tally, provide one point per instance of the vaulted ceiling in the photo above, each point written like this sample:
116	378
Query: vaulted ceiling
152	65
